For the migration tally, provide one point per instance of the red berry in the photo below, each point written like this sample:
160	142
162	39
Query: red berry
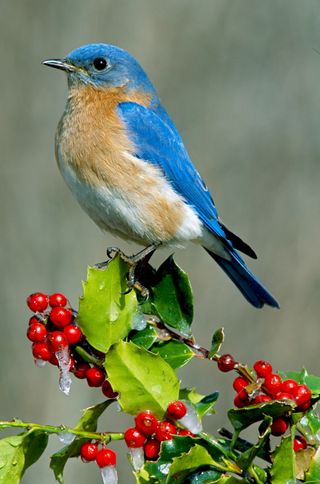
57	341
288	385
226	363
165	430
185	432
54	360
73	334
57	300
279	426
176	410
261	399
89	451
60	317
81	370
134	438
107	390
106	457
38	302
283	396
37	332
240	383
299	443
146	422
95	376
34	319
241	399
262	368
304	406
151	449
41	351
272	384
302	394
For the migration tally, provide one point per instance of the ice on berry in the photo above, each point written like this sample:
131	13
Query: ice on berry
137	457
191	420
109	475
66	438
64	362
40	363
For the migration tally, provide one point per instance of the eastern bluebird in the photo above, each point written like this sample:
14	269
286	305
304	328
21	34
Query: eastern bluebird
124	159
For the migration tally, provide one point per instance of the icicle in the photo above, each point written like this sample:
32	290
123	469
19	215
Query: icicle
139	321
137	457
164	468
40	363
191	420
109	475
65	381
66	438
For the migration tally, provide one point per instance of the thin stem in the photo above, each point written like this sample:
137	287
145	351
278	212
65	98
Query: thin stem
52	429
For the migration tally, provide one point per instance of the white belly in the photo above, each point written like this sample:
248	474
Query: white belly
112	210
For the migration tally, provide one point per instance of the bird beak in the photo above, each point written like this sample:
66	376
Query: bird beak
59	64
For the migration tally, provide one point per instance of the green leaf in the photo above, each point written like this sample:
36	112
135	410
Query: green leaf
245	459
105	315
217	340
142	379
241	418
283	470
313	474
202	403
18	452
144	338
87	422
196	457
176	353
203	475
172	297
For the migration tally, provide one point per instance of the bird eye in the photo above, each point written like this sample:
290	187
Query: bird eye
100	63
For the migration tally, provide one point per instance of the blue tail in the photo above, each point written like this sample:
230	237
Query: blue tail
246	281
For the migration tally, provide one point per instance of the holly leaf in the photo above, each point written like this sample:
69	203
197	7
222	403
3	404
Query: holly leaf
181	466
313	474
144	338
142	379
87	422
203	404
283	469
175	353
241	418
203	475
217	340
18	452
172	296
245	459
106	315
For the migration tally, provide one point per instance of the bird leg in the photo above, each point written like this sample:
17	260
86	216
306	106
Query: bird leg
135	261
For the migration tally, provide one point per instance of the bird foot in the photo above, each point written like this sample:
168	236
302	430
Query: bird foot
133	261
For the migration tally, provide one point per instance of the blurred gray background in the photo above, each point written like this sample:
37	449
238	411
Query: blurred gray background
241	80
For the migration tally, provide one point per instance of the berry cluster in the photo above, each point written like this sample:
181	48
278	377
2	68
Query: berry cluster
267	387
149	432
54	334
90	452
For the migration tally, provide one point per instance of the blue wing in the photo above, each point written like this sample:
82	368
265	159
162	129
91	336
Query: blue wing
158	141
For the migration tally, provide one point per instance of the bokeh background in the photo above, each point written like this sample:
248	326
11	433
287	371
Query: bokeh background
241	80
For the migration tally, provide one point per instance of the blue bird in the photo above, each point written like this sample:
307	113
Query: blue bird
124	159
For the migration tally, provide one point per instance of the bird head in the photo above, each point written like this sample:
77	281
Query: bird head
103	66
